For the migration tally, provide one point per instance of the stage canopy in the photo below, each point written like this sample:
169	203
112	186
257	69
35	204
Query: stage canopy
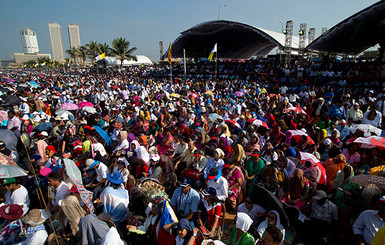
356	33
235	40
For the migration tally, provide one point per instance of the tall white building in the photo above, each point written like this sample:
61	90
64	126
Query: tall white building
73	33
29	41
56	41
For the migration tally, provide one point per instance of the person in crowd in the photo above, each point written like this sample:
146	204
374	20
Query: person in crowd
186	234
219	183
11	230
252	209
61	189
185	200
209	212
16	194
36	232
235	178
272	220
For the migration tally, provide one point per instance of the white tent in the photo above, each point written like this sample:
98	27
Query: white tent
141	60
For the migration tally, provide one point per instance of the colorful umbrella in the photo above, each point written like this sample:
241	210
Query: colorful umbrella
69	107
366	128
239	94
85	103
103	134
75	175
258	122
369	142
297	135
6	160
296	109
369	181
10	171
175	95
229	121
89	109
321	176
3	116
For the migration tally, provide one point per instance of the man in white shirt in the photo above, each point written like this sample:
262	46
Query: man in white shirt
253	210
101	174
16	194
219	183
61	188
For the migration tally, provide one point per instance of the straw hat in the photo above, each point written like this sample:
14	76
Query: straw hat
35	217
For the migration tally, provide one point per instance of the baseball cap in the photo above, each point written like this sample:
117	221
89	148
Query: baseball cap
43	133
197	153
155	157
185	182
9	181
320	195
209	191
255	153
51	148
343	121
382	199
213	173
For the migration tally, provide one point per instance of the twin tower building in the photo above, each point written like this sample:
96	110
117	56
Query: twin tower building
31	46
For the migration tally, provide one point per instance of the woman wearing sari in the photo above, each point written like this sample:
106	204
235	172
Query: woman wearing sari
234	176
342	187
252	145
332	166
165	144
299	190
224	146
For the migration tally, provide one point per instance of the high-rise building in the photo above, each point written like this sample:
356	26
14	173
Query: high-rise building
29	41
73	33
56	41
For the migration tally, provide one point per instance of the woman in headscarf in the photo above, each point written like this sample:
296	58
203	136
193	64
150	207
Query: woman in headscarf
186	234
73	212
310	171
332	166
334	137
238	154
254	166
224	146
224	129
203	139
272	219
235	178
352	156
240	235
143	154
252	145
343	187
123	142
299	190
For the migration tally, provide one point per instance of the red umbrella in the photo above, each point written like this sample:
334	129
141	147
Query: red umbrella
85	103
297	135
258	122
369	142
233	123
297	109
321	176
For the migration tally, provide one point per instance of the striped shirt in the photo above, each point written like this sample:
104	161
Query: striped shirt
367	225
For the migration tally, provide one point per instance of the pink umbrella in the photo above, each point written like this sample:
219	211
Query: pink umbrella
239	94
321	176
69	107
369	142
85	103
3	116
297	135
258	122
5	160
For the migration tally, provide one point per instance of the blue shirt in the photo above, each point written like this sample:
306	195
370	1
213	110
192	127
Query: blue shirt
213	164
185	203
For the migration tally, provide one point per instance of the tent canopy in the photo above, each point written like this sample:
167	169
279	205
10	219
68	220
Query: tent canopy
356	33
235	40
141	60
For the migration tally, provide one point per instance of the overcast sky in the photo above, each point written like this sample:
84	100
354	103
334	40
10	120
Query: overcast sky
144	23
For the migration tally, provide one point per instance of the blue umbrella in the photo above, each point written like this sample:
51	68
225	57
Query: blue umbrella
9	138
103	134
43	127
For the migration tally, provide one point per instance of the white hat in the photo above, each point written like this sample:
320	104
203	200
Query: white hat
25	118
154	157
44	133
327	141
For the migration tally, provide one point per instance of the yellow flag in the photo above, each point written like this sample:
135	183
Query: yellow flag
169	55
103	56
212	53
69	61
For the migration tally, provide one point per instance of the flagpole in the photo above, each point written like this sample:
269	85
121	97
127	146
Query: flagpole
216	62
184	64
171	71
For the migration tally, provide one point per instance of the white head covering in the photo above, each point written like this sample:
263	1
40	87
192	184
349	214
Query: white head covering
142	153
243	222
220	152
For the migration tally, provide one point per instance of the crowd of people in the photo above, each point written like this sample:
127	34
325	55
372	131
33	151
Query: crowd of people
257	154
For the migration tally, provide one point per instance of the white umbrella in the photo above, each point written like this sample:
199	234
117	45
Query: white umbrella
89	109
10	171
64	114
366	128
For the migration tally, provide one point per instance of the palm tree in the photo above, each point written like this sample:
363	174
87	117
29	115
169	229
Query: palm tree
73	53
104	48
30	63
92	50
82	54
120	48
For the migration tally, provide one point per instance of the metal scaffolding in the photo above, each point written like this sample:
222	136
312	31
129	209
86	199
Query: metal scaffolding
302	41
288	41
